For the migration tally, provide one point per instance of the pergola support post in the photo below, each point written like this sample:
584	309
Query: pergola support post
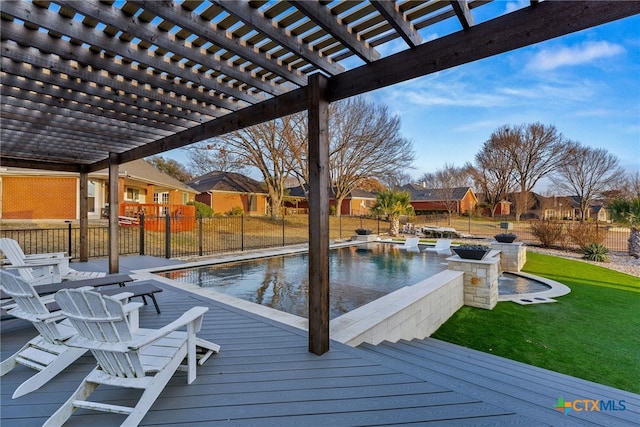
84	216
114	213
318	164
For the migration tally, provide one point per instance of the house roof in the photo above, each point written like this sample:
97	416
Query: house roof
84	82
226	181
356	193
421	194
141	170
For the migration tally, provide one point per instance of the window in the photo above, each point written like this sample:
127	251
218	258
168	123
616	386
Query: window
132	194
91	196
185	198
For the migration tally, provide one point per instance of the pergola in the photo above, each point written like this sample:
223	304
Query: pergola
88	85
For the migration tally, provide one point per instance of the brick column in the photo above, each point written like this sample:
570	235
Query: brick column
480	280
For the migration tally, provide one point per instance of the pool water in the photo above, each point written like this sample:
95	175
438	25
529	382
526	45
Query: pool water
357	274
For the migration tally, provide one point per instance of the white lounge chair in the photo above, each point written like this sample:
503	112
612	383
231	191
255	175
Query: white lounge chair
411	244
41	269
45	353
143	359
442	247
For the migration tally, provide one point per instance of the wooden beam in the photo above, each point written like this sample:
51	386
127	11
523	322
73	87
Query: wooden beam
84	217
318	164
169	95
10	162
341	32
524	27
76	29
395	18
114	213
255	19
518	29
461	7
149	33
209	31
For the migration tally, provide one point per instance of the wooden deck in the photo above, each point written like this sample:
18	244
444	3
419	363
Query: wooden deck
264	376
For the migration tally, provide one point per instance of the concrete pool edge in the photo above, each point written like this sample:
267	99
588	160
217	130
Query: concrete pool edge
557	289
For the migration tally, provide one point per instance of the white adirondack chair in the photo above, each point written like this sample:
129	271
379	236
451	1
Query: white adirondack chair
143	359
45	353
41	269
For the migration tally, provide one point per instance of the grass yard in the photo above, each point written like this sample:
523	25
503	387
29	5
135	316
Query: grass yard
591	333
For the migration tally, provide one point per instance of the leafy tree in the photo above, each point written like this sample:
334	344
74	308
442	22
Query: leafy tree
532	152
588	173
627	212
170	167
393	204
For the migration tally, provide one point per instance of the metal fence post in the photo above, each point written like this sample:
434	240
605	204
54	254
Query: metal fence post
283	230
69	239
200	236
167	235
242	232
141	233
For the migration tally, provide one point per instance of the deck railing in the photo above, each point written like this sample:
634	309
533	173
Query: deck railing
169	238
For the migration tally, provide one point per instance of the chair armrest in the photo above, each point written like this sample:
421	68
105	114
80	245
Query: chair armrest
189	316
43	263
58	255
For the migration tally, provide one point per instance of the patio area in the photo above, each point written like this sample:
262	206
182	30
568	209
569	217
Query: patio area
265	375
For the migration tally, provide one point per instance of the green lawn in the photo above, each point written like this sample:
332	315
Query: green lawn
591	333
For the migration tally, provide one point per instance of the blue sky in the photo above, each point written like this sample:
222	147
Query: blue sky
586	84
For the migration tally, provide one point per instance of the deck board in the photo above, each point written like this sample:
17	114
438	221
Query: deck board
264	375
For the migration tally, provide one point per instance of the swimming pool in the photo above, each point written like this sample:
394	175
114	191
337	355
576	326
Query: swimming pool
358	275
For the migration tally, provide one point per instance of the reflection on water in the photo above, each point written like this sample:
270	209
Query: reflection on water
357	275
509	284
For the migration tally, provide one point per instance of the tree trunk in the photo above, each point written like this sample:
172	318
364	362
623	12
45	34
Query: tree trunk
394	226
634	243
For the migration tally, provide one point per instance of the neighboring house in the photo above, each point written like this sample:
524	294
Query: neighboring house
502	208
46	195
225	191
427	200
358	202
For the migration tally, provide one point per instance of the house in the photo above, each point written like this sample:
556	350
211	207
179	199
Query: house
357	203
226	191
47	195
425	200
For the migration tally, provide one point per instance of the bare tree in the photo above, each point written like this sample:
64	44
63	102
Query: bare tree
535	151
365	142
449	180
493	174
428	180
171	167
588	173
265	147
633	185
213	155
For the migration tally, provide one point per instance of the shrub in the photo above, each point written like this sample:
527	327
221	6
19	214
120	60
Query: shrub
202	209
583	234
549	233
595	252
236	211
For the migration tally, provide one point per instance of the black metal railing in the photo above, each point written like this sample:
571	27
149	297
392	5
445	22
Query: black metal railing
174	237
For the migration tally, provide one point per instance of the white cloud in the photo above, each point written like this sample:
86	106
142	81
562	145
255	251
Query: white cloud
549	59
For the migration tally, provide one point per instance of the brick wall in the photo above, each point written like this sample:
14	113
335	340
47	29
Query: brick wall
38	197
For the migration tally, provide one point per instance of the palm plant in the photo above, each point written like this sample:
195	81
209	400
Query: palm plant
393	204
627	211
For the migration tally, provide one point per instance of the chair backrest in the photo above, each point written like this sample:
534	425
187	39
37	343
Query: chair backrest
411	242
101	320
14	253
29	306
443	244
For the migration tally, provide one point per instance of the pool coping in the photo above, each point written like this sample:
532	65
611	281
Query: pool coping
557	289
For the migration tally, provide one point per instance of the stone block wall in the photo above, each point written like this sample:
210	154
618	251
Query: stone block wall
480	280
513	256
